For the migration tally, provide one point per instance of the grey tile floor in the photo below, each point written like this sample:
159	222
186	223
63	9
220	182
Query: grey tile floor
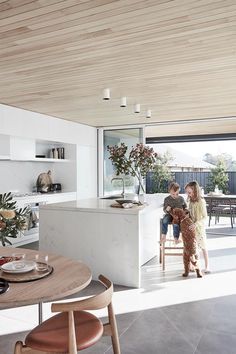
168	314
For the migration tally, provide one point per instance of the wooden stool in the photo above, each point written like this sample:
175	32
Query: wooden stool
169	248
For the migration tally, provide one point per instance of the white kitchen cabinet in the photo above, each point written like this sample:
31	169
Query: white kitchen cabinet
15	148
21	148
4	147
25	149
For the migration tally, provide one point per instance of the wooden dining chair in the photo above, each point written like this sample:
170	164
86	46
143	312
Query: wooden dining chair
73	328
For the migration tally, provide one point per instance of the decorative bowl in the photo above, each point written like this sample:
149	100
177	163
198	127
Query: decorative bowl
122	201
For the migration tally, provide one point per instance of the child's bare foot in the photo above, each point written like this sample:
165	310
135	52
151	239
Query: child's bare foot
177	240
206	271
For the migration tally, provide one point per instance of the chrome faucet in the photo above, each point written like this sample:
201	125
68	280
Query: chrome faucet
123	183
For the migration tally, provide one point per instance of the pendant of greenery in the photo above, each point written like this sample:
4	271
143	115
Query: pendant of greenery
138	162
12	220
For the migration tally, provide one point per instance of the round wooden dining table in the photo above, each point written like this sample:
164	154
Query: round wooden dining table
68	277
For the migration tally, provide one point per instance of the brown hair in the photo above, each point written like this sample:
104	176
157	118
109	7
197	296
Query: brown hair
175	186
196	190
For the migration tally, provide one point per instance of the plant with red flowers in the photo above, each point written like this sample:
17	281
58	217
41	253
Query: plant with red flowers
140	160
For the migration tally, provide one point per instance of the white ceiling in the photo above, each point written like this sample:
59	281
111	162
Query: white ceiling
176	58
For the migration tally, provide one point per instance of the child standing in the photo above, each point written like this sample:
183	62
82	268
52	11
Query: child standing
198	213
174	200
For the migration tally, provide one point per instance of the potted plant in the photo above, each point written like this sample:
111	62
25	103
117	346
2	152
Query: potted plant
12	220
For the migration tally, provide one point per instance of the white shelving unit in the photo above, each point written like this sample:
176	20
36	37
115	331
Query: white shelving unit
23	149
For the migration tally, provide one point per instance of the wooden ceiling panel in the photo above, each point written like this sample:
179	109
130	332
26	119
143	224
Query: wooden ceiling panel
176	58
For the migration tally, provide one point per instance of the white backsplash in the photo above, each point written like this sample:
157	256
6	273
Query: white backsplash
21	176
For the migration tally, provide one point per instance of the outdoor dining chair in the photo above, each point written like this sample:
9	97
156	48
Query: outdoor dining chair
221	207
73	328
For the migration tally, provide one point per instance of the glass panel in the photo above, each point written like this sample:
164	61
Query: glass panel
129	137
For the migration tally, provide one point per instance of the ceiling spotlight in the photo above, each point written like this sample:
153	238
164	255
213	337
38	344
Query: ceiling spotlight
137	108
106	94
123	102
148	113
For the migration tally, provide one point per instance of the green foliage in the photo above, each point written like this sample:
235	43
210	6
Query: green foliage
161	173
218	177
12	220
136	163
227	159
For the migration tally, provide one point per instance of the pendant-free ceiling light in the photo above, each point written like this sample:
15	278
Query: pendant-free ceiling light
106	94
123	102
148	113
137	108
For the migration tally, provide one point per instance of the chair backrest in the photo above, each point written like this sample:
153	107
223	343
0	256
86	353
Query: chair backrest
92	303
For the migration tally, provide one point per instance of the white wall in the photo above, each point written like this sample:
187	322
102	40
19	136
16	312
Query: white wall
18	122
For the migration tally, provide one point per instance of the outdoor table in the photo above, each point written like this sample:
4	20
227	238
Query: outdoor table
221	205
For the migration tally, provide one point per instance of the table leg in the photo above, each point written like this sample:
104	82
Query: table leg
40	312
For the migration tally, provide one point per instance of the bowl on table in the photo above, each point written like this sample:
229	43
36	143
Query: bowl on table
124	201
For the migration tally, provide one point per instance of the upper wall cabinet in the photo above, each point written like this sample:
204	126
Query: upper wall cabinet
24	149
21	148
4	147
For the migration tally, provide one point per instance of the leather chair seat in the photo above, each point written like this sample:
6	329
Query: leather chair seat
52	334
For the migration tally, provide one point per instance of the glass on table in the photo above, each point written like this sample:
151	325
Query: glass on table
18	259
41	262
17	256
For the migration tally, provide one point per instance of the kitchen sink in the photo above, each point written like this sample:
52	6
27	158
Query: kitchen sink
112	197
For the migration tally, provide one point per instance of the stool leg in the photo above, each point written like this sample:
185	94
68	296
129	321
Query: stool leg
163	256
160	253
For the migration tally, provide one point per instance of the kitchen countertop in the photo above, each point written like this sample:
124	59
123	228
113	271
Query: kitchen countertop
41	197
104	205
93	205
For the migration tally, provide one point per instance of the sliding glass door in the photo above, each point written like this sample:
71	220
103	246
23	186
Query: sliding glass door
111	137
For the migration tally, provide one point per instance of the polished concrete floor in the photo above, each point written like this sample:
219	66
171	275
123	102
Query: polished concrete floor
168	314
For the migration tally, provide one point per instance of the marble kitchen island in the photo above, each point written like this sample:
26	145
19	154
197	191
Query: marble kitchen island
115	242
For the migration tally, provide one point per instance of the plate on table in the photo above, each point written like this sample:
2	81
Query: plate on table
18	266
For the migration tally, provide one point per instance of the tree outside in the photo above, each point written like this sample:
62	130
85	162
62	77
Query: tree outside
228	160
218	177
161	173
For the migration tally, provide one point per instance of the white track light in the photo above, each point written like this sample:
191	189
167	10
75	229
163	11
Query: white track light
106	94
123	102
137	108
148	113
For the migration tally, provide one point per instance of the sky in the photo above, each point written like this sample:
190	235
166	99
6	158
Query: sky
199	149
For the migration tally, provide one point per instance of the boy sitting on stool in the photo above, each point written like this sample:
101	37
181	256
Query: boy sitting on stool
174	200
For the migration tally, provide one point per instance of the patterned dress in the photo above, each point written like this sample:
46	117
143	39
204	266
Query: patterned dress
198	213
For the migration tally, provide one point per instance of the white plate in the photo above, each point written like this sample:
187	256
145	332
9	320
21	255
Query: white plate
18	266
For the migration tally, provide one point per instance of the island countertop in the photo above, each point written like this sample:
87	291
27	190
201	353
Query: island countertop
111	241
98	205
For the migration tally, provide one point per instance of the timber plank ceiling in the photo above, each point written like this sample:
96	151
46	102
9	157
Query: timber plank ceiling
177	58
